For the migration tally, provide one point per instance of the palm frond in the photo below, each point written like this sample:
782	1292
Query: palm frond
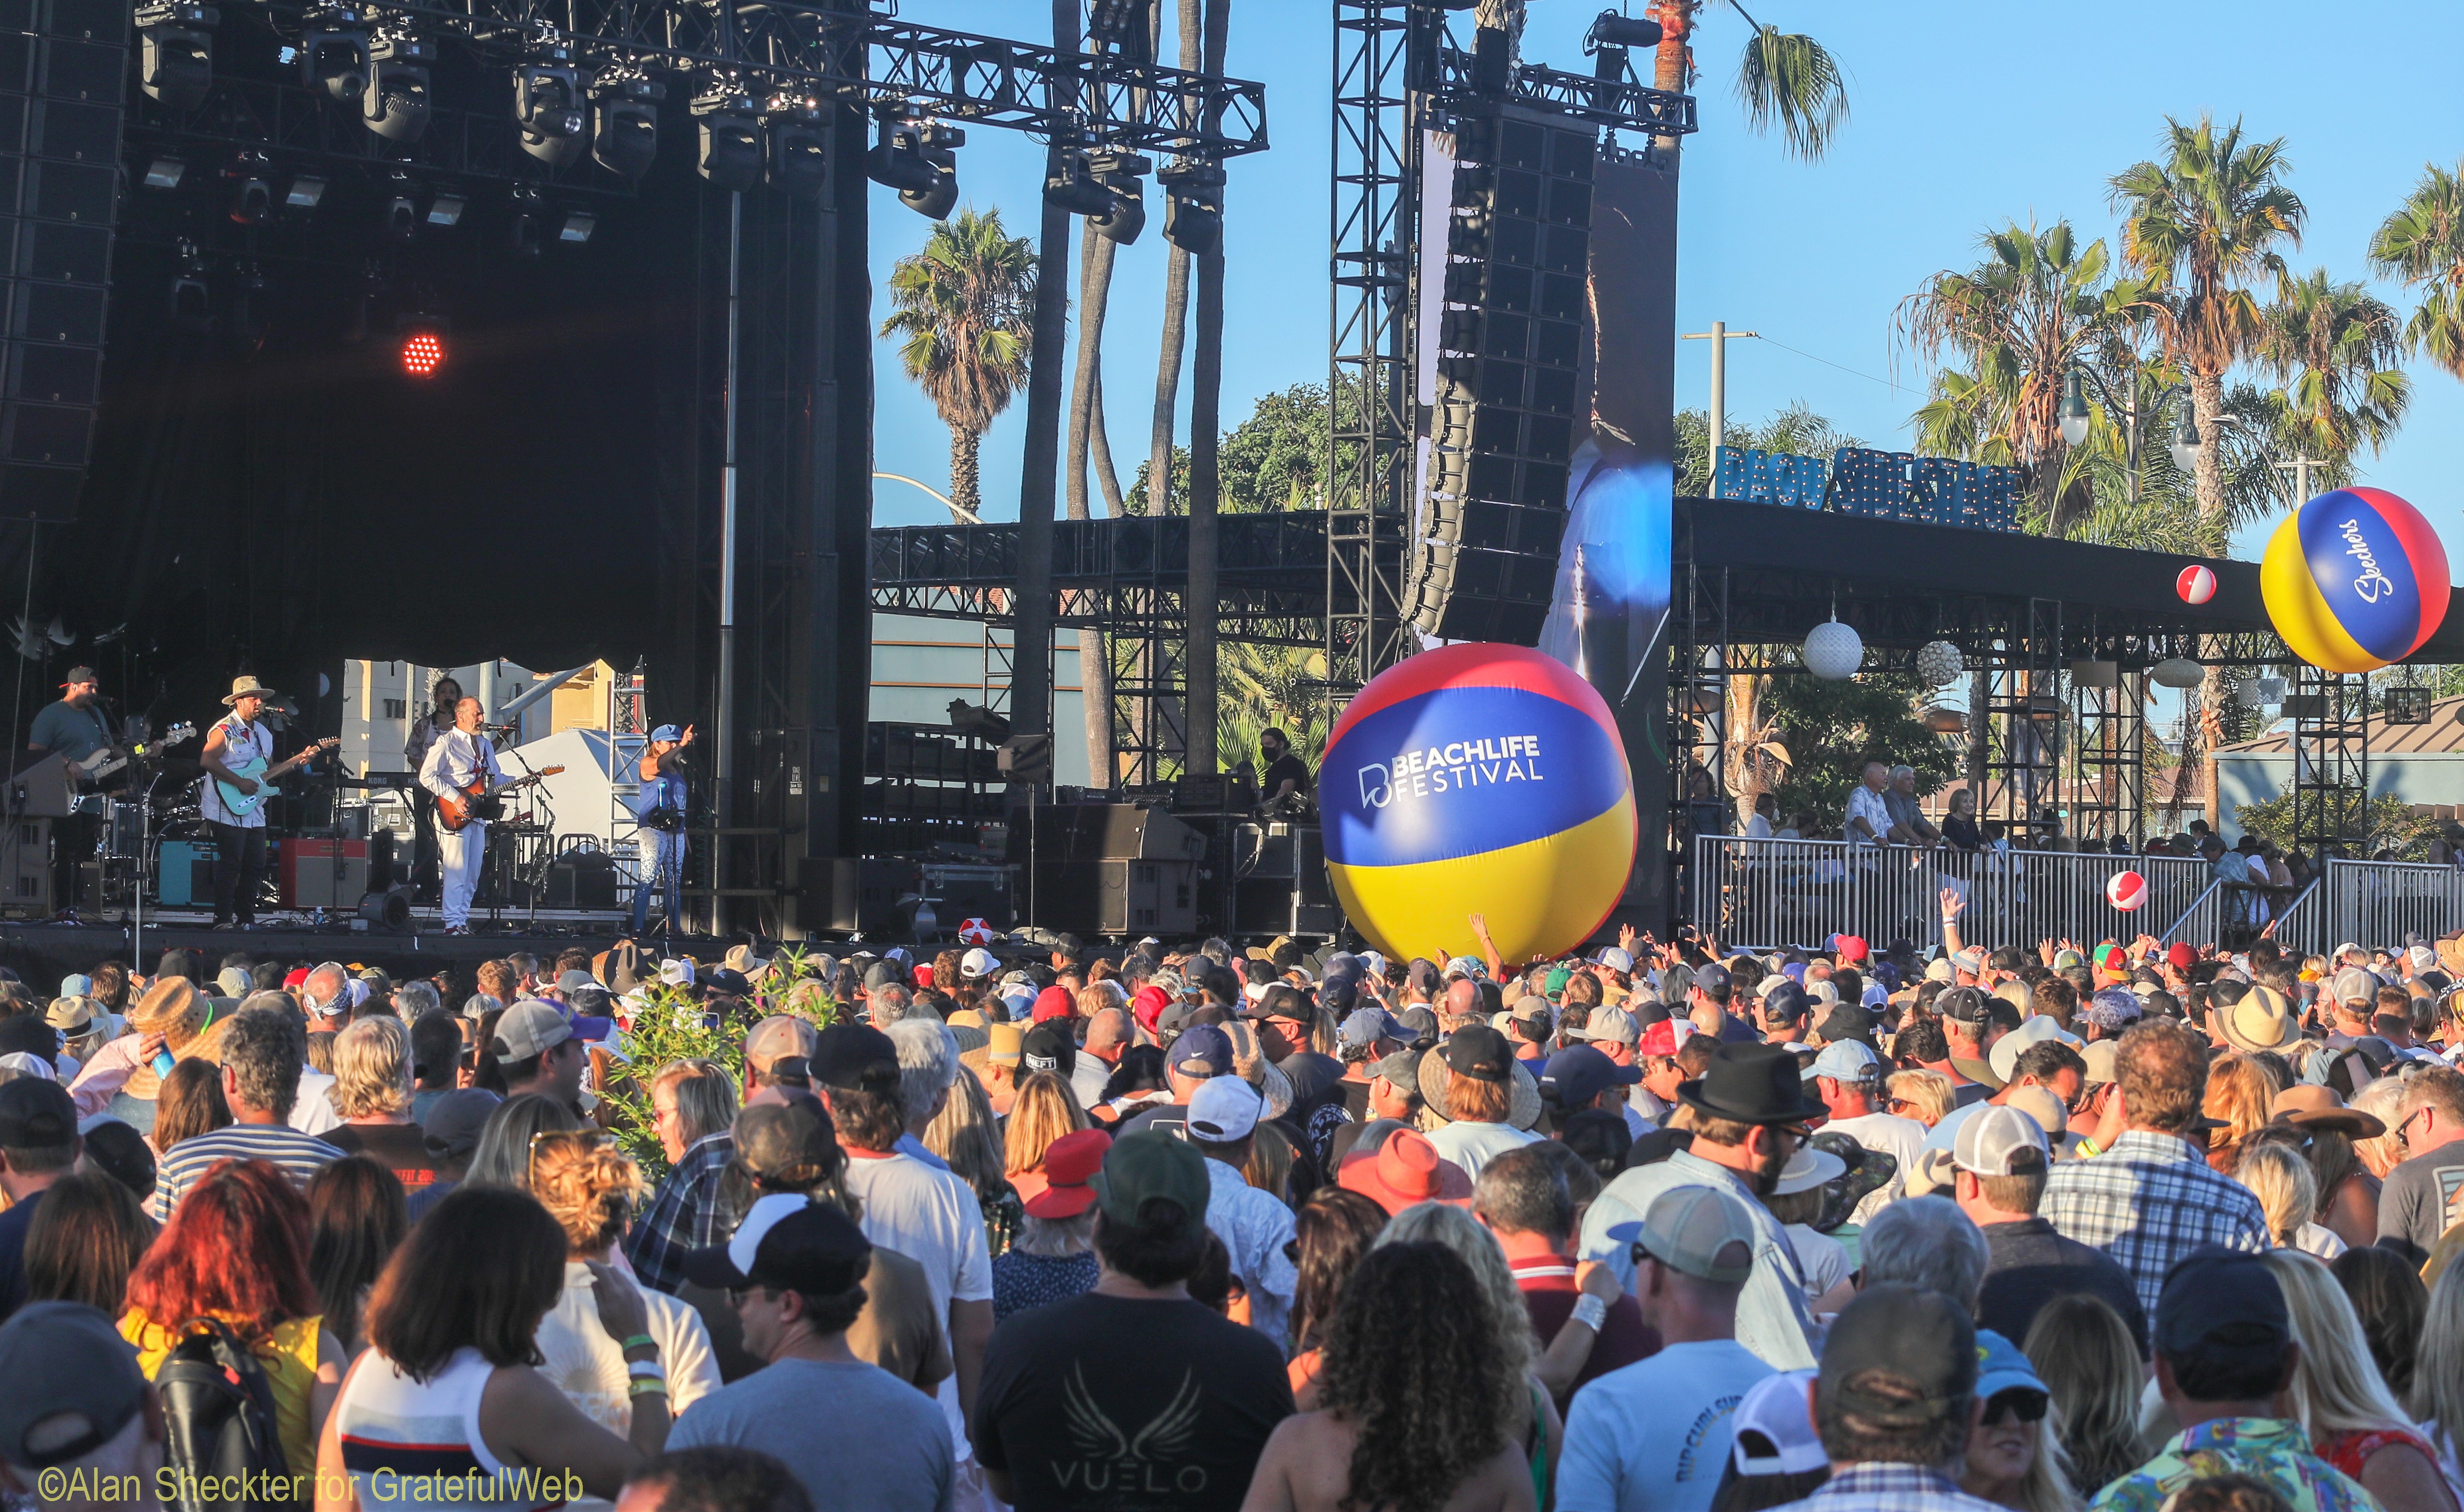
1791	80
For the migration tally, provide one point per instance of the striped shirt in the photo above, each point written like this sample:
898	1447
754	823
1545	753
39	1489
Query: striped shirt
299	1155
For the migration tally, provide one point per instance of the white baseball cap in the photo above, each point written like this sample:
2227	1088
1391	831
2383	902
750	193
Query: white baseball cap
977	962
1224	1109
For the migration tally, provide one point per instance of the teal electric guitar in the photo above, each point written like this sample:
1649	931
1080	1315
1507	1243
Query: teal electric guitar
255	768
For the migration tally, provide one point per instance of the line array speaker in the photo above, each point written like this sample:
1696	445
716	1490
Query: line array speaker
1509	391
62	63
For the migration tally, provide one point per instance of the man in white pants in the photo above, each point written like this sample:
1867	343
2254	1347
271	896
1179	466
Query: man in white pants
457	759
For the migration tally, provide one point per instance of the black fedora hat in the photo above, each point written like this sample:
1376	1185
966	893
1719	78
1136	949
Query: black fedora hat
1751	1084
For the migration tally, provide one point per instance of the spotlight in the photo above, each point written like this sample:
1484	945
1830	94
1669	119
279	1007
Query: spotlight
252	297
529	235
799	154
164	173
1110	23
1124	173
1611	30
176	58
548	105
730	140
446	209
402	210
191	301
421	348
395	103
624	135
1071	185
306	190
1192	215
916	157
334	52
253	199
578	226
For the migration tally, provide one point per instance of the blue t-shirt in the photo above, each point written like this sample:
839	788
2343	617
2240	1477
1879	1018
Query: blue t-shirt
1655	1435
66	729
1947	1131
667	790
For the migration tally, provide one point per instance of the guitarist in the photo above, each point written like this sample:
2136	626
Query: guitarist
76	727
461	763
235	740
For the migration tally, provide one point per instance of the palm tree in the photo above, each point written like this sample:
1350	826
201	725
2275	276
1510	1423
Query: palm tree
2334	347
1205	407
965	305
1086	424
2203	224
2423	243
2036	307
1785	79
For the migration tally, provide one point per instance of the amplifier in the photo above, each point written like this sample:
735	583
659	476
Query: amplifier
184	874
323	873
26	870
581	879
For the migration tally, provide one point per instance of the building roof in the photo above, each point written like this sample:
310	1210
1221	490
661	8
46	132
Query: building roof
2443	734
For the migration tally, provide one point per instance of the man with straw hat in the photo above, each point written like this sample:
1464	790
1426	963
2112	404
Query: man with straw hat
233	741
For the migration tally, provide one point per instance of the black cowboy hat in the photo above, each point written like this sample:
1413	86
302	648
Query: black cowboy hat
1751	1084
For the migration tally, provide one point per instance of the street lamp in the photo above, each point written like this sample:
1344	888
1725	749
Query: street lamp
2184	444
2073	411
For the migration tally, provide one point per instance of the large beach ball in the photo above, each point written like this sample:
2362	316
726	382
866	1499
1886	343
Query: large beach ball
2354	580
1479	780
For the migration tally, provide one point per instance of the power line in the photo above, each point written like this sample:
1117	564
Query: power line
1842	366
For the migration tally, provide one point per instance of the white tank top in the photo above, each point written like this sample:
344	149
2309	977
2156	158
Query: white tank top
242	742
407	1444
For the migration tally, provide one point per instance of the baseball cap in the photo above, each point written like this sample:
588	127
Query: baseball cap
1224	1111
1554	982
1576	1075
726	980
2005	1055
1967	1004
1368	1025
575	981
1616	959
61	1363
780	1034
1784	1002
1202	1050
1069	1165
2102	1058
2181	956
454	1122
1846	1061
788	1242
667	733
1997	1141
1403	1069
2001	1366
1148	1165
1048	1047
977	962
78	674
1971	960
676	972
2066	959
36	1114
1615	1025
528	1028
1845	1023
2113	1009
1480	1052
1917	1338
2111	958
779	1139
854	1057
77	984
1664	1039
2041	1105
1008	1044
1849	948
2215	1293
2353	984
1938	970
1774	1431
1712	979
1688	1229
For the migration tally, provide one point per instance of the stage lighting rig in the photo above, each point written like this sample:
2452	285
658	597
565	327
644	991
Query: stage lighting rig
730	138
306	190
395	103
1612	35
917	158
548	103
191	301
1193	214
251	190
1124	173
1111	23
176	52
800	151
625	125
334	52
529	223
1071	185
420	345
402	210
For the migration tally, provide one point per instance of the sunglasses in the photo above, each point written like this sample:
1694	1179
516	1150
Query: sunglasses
2024	1403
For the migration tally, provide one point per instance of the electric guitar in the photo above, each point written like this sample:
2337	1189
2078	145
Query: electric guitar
255	768
107	759
480	802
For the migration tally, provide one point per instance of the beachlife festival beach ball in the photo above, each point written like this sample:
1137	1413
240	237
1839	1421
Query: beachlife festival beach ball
2354	580
2126	891
1477	778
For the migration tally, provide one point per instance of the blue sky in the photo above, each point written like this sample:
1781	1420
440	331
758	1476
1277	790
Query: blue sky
1964	116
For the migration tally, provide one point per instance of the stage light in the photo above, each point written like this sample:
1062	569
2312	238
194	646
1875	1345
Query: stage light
1110	23
624	133
916	157
306	190
529	226
548	105
252	194
578	226
164	173
800	156
1070	185
1193	212
978	722
395	103
1124	173
446	209
249	299
334	52
2073	411
1611	30
402	210
191	301
730	140
422	349
176	55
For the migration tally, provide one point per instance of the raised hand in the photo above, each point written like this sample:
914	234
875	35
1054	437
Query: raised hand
1953	902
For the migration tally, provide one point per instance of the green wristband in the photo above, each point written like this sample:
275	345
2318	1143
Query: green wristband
638	1341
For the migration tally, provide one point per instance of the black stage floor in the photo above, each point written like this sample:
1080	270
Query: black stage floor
44	953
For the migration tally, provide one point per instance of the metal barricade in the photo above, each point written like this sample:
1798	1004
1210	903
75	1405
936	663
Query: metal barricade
2202	922
2378	903
2301	928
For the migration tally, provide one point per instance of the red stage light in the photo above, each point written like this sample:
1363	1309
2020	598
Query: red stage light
423	353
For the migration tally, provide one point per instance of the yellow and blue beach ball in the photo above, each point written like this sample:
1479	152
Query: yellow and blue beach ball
2354	580
1483	779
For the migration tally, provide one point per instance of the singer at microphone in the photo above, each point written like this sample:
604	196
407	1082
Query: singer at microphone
659	808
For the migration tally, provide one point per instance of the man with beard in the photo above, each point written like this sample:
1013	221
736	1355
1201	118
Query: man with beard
1749	1114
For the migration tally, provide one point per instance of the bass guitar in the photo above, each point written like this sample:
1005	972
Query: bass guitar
109	759
256	769
480	802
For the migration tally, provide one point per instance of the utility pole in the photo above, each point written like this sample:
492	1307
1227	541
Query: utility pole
2299	466
1719	336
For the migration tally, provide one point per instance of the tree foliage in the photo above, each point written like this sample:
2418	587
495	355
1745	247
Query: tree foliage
2393	825
1832	729
1796	429
1275	460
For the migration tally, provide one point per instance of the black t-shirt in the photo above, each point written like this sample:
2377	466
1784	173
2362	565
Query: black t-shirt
14	1225
1124	1405
400	1148
1284	768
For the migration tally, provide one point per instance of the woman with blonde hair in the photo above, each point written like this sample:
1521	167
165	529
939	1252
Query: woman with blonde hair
2437	1399
2014	1459
2288	1193
503	1156
1925	1096
2085	1354
1523	1409
1044	1111
690	1099
590	1187
2351	1418
2240	1093
967	1135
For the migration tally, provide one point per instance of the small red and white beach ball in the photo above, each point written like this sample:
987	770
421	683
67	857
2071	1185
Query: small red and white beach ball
2126	891
2195	584
976	931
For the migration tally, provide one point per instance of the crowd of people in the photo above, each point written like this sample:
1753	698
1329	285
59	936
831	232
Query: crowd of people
2020	1225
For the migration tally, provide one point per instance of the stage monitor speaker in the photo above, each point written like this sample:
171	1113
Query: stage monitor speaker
842	892
1516	256
581	879
1147	897
184	874
44	790
389	910
26	870
62	63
